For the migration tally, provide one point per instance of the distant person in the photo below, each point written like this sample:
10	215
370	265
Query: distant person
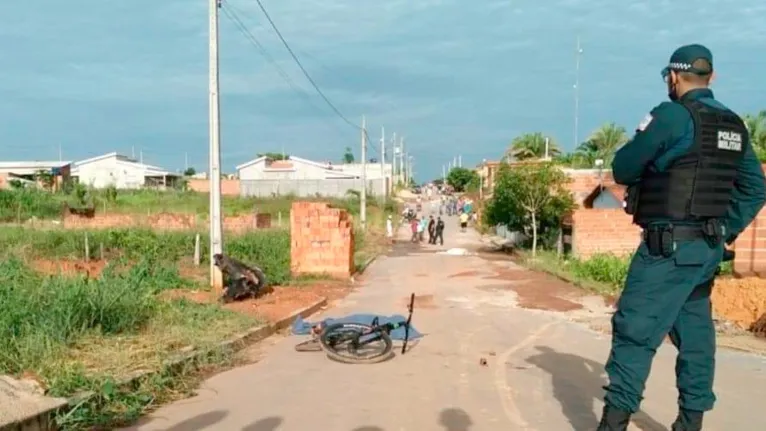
422	228
439	231
414	225
431	229
463	221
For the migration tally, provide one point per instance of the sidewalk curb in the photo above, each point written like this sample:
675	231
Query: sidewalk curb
235	343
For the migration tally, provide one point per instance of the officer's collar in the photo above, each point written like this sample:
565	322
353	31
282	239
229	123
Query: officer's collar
697	93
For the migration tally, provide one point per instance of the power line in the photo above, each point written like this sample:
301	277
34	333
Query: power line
303	69
231	13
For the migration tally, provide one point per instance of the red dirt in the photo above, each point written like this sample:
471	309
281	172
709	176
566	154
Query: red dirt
91	269
421	301
540	291
740	301
278	303
464	274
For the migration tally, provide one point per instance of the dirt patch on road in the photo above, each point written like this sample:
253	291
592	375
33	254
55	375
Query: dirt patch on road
465	274
537	290
740	301
421	301
276	304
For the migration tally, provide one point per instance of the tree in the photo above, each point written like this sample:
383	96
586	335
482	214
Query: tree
190	172
530	198
531	146
602	144
45	179
462	178
348	156
274	156
756	125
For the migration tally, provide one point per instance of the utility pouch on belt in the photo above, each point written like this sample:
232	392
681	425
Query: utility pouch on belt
659	240
630	205
712	231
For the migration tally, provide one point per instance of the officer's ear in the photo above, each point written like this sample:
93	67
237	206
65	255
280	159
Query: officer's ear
712	78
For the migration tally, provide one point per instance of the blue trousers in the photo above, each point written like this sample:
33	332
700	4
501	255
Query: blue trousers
665	296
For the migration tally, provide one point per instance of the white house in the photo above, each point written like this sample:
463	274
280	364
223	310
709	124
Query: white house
122	172
295	168
374	170
302	177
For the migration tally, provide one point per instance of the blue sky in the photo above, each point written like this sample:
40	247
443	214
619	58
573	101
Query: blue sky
452	76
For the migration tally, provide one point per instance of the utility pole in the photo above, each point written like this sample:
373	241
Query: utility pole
460	161
454	162
394	156
577	94
141	156
216	224
61	154
363	204
402	165
186	161
383	160
133	152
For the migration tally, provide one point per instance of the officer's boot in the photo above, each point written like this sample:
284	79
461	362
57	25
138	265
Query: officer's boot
688	420
613	419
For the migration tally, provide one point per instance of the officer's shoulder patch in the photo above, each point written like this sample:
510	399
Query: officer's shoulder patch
645	123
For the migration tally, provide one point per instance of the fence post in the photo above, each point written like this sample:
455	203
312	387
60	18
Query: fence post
279	219
87	248
196	250
101	250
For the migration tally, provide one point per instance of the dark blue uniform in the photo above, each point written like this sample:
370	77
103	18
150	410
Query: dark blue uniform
671	295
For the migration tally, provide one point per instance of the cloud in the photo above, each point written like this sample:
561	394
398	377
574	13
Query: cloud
454	77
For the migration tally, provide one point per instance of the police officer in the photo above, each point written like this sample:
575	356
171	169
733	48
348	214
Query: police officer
694	184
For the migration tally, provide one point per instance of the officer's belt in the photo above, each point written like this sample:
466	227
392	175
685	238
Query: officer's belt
681	232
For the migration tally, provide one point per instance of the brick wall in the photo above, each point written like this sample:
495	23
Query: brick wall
165	221
603	231
322	240
228	187
751	248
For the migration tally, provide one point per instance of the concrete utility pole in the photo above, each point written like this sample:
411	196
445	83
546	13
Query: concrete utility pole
402	166
394	156
383	159
444	174
186	161
363	203
216	224
454	162
460	160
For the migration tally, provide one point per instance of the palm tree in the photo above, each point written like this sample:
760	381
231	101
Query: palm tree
602	144
756	125
531	146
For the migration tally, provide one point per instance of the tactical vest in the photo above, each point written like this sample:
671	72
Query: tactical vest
698	185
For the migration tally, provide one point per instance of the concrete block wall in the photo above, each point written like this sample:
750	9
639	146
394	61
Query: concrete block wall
322	240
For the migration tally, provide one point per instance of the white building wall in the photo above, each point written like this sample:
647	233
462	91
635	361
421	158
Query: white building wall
110	172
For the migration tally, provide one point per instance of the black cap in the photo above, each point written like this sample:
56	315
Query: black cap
684	57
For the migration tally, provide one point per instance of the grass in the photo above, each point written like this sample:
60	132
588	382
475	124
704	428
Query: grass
23	204
603	273
75	333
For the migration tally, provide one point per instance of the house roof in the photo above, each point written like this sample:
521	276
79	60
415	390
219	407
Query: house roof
292	160
30	167
617	191
150	170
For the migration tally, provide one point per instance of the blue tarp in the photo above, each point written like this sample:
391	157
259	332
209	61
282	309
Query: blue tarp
302	327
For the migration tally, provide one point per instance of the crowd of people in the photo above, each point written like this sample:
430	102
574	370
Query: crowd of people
433	224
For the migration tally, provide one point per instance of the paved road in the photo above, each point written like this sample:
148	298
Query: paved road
544	371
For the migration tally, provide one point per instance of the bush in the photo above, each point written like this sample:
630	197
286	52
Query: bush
603	268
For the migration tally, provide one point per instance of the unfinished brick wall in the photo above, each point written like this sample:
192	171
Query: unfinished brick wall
322	240
228	187
751	248
603	231
165	221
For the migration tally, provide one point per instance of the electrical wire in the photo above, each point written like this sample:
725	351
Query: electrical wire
231	13
313	83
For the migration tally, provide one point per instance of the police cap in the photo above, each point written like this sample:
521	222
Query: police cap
684	57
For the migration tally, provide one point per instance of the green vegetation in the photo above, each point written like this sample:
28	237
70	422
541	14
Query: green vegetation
22	204
463	179
78	333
